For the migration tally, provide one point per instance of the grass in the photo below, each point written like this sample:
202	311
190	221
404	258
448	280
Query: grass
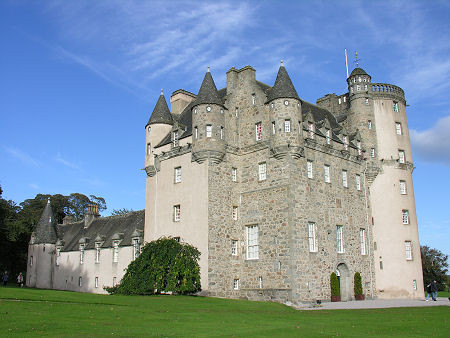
32	312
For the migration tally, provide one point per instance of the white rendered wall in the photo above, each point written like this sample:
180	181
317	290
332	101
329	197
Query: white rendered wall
39	275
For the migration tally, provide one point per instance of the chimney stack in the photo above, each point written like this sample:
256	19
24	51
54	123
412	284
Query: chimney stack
91	214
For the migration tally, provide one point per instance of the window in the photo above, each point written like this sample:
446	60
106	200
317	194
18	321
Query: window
358	87
414	284
326	173
358	182
403	187
196	132
344	179
395	106
401	156
351	90
253	99
177	173
258	130
234	247
115	251
81	253
235	212
310	130
358	146
345	99
328	136
80	281
345	140
365	88
177	239
362	240
372	152
252	242
287	126
97	252
366	100
369	124
136	248
340	239
236	284
260	282
58	255
175	138
312	237
208	130
398	128
234	174
149	149
405	216
359	78
408	250
262	171
221	133
96	282
339	100
273	127
31	260
309	168
365	79
114	281
176	213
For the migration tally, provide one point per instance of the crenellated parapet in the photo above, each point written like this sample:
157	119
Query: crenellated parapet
386	90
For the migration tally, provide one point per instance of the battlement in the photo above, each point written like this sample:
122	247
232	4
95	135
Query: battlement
388	90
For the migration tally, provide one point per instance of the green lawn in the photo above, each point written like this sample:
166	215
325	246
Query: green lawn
25	312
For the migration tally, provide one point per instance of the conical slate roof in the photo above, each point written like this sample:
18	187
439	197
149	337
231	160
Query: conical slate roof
208	92
358	71
283	87
161	113
45	230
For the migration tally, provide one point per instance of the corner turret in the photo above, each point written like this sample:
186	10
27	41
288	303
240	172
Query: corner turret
45	232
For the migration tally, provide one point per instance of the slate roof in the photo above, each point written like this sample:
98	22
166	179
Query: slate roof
208	92
319	113
161	113
283	87
358	71
45	230
105	227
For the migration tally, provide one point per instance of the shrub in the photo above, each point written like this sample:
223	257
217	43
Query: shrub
358	284
164	265
335	288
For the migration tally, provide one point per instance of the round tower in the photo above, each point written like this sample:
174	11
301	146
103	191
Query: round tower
208	123
285	113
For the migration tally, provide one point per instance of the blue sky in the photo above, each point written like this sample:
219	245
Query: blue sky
79	80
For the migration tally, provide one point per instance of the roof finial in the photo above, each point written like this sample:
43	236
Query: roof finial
281	65
356	59
208	70
162	92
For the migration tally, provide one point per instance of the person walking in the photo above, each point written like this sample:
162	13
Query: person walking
20	280
428	292
434	290
5	278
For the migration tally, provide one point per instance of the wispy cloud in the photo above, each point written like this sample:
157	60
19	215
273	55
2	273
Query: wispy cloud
433	145
68	163
34	186
21	156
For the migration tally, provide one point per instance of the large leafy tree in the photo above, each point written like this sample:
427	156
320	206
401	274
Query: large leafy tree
434	266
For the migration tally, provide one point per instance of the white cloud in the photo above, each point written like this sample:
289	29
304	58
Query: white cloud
34	186
433	144
67	163
21	156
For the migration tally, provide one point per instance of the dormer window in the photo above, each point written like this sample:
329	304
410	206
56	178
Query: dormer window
358	145
339	100
116	251
359	79
81	253
310	130
328	135
345	140
97	252
175	138
58	255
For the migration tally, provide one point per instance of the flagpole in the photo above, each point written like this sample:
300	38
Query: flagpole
346	63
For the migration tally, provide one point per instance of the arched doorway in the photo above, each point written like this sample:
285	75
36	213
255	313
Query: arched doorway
344	282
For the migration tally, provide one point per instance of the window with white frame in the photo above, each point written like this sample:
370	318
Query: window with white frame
234	174
401	156
358	182
414	284
80	281
365	88
96	282
358	146
221	133
273	127
309	168
115	251
340	238
253	99
362	240
312	237
234	247
310	130
366	100
372	152
136	248
208	130
236	284
408	250
177	174
81	253
260	282
97	252
345	140
58	255
358	87
114	281
369	124
235	212
398	128
359	79
344	179
403	187
339	100
395	106
262	167
196	132
328	136
252	242
345	99
258	131
175	138
149	149
405	216
176	213
326	173
287	126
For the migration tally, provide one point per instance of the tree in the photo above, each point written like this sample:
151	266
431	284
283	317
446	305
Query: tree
164	265
357	287
335	288
434	266
122	211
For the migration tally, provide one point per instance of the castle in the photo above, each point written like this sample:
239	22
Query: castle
277	193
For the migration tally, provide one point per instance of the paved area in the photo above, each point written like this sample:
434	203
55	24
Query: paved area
376	304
